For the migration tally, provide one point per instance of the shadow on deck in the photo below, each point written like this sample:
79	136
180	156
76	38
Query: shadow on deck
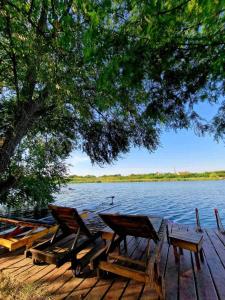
182	280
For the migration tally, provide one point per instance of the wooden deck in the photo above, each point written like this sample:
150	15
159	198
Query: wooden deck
182	280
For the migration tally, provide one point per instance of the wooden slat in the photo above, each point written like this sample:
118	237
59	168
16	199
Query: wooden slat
55	285
11	261
216	268
148	292
116	289
33	272
204	283
67	288
28	240
171	277
34	224
118	285
50	274
135	225
83	289
218	245
187	289
99	289
18	267
40	273
104	285
61	244
134	288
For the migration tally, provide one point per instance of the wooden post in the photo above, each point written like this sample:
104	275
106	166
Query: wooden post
218	221
198	225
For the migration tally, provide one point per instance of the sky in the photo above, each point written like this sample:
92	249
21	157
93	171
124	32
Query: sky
179	151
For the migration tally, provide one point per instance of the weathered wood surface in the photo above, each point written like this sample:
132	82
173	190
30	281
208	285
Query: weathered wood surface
182	280
17	233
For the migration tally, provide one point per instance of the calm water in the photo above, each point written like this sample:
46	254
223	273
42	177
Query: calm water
173	200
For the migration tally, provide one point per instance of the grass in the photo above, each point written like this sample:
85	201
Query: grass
12	289
152	177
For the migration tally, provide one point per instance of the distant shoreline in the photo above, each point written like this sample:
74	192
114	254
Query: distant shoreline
153	177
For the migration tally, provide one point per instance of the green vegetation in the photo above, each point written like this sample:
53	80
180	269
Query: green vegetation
12	289
154	177
101	76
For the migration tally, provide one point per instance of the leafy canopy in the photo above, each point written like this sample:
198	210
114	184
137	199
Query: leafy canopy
100	76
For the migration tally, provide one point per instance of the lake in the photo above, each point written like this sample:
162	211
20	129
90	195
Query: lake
173	200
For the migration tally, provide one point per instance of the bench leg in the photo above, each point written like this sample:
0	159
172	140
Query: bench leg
197	261
181	251
176	254
125	244
201	255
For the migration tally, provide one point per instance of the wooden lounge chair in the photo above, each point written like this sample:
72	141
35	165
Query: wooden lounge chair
70	240
138	226
23	233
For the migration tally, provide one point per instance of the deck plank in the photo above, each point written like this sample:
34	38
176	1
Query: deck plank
83	289
220	235
218	245
134	289
182	280
40	273
187	288
18	266
11	261
67	288
116	289
204	283
147	292
103	286
216	268
171	277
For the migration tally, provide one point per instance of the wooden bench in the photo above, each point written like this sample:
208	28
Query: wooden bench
187	240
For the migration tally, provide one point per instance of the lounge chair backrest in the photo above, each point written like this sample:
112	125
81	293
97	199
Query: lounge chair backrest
134	225
69	219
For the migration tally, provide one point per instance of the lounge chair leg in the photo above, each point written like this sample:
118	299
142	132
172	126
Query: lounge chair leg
197	261
98	273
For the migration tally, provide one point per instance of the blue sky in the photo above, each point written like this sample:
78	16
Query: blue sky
179	151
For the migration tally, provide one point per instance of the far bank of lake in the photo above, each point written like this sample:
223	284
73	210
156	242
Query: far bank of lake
152	177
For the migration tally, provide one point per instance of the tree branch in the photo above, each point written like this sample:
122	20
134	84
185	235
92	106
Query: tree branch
13	56
173	9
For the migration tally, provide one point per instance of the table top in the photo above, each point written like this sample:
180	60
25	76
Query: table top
187	236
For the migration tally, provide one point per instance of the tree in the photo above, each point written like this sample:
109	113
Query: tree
102	76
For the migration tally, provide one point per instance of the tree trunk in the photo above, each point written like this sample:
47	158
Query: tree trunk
28	114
